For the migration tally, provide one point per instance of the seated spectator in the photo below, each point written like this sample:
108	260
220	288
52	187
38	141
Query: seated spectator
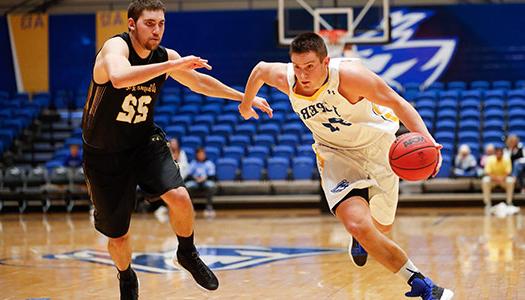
498	171
489	151
201	178
465	164
179	156
514	150
74	159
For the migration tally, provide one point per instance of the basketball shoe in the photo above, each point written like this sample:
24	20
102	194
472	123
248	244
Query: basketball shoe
357	252
192	263
426	289
129	289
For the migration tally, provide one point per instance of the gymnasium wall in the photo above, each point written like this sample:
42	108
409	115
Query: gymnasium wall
489	45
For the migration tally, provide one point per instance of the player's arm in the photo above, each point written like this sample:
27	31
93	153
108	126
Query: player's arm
112	64
358	80
209	86
273	74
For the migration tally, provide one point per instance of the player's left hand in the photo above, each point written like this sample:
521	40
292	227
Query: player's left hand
440	159
263	105
247	111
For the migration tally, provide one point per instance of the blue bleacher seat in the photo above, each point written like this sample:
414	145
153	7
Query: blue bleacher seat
278	168
469	114
292	117
233	152
177	131
517	124
162	121
447	104
252	168
212	153
445	137
411	86
516	103
227	168
240	141
307	138
502	85
429	124
447	114
231	108
265	140
493	124
480	85
305	150
230	119
222	130
282	107
467	137
204	119
183	120
217	141
493	114
436	86
469	125
271	129
291	140
516	94
276	95
443	124
449	95
189	109
212	108
519	133
165	110
495	94
5	114
191	141
520	84
516	113
492	136
426	114
294	128
195	99
444	171
471	95
425	104
302	168
171	100
283	151
493	103
470	104
261	152
247	129
171	90
427	95
457	85
190	152
199	130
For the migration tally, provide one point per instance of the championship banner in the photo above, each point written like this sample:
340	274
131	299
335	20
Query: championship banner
28	34
110	23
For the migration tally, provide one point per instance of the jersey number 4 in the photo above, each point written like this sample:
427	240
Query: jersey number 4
335	121
128	107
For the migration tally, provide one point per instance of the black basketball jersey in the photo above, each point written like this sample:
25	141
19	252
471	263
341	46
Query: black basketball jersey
119	119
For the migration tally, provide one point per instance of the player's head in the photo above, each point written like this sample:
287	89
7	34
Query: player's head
200	154
310	60
146	22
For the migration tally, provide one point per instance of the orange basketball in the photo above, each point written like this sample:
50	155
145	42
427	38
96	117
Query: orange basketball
413	157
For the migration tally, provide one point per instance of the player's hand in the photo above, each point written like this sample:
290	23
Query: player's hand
263	105
440	159
247	111
190	62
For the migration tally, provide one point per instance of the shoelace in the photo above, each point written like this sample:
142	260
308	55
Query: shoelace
202	268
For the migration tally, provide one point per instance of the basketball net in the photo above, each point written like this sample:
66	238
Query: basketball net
334	41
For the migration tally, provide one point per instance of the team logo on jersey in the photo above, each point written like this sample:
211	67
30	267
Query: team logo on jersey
341	186
407	59
216	257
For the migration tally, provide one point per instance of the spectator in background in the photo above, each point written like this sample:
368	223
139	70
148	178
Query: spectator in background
179	156
465	164
498	169
74	159
489	151
201	178
514	150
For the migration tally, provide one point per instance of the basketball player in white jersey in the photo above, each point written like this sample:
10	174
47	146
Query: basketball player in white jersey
353	116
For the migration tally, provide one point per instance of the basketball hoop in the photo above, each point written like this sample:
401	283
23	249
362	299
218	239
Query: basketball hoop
334	40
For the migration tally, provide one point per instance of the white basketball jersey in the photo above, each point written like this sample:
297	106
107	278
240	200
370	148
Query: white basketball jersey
334	121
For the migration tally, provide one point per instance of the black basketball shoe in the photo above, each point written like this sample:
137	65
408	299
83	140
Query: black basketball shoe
192	263
129	289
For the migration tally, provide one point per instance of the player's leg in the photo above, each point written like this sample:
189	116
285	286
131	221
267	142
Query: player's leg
161	176
112	188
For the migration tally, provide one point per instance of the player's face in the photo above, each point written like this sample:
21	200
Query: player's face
309	70
149	28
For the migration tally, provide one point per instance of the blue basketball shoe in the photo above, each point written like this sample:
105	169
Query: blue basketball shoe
424	287
357	252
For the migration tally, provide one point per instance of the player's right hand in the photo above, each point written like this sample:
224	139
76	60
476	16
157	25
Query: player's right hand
247	111
190	62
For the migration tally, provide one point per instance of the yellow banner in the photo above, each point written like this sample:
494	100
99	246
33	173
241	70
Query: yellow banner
28	34
110	23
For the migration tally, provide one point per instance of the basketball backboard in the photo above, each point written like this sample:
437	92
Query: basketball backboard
365	21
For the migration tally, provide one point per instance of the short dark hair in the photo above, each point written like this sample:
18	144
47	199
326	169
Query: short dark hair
309	41
136	7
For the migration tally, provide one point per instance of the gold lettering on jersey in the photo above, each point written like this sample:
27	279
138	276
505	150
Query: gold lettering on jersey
152	88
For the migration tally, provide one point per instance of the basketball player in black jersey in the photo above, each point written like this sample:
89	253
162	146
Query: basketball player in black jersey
123	148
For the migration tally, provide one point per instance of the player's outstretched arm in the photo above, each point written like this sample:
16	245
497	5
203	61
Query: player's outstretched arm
209	86
112	64
358	81
273	74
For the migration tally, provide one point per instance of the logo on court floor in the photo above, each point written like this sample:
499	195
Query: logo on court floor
216	257
408	59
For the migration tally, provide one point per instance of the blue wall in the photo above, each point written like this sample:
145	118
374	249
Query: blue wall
491	44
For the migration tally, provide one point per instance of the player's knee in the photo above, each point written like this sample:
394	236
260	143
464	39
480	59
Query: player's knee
357	228
383	228
119	242
177	198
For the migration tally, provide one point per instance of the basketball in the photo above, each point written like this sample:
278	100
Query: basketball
413	157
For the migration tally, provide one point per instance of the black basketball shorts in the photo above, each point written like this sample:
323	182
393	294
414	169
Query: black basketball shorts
112	180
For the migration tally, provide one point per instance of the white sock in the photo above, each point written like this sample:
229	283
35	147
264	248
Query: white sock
407	270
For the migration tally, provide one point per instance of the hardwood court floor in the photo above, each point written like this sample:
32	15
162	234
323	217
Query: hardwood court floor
479	257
